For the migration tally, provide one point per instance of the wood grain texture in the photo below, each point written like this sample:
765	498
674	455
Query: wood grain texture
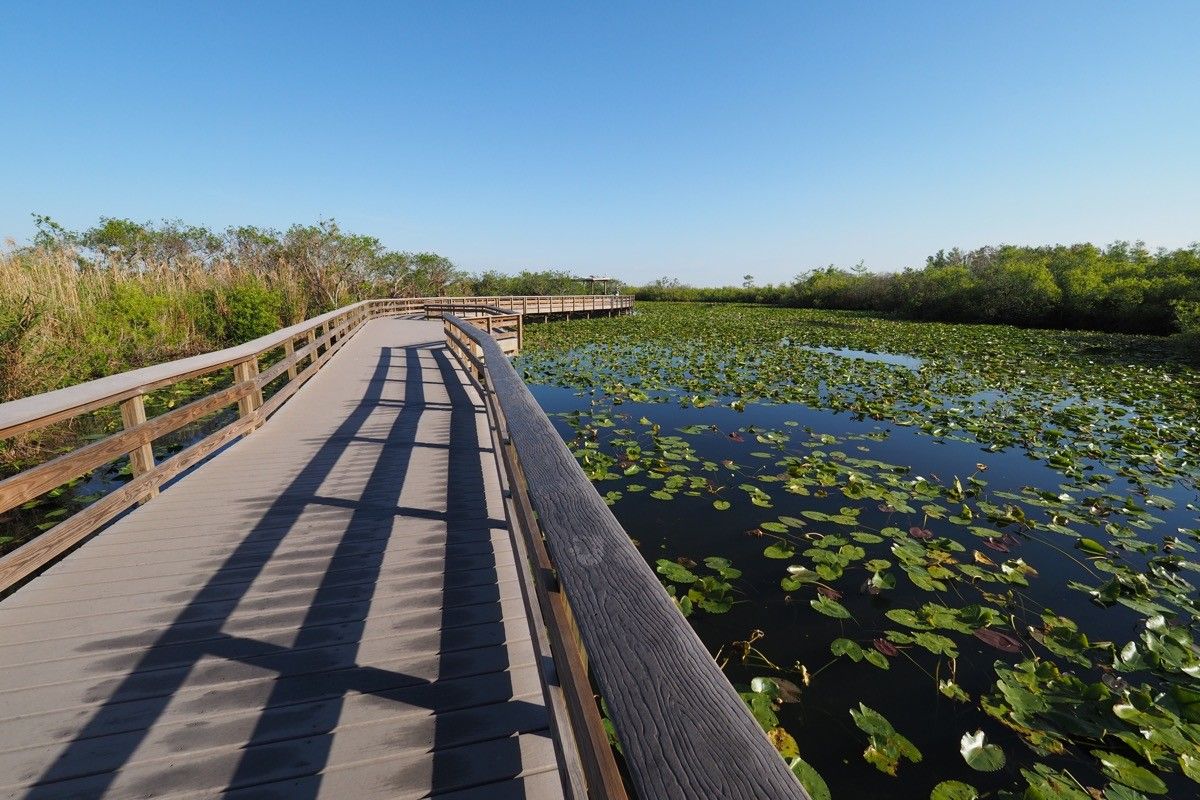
328	608
141	457
29	413
685	731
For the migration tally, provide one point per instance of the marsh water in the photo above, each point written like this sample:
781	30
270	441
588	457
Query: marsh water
1066	545
963	528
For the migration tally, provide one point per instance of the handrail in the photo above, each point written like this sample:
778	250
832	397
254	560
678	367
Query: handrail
28	413
301	349
38	410
451	307
684	731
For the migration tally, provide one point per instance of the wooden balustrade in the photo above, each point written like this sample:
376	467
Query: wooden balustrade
320	338
684	730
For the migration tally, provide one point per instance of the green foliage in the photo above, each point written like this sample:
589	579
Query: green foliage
886	747
81	304
1122	287
242	311
133	326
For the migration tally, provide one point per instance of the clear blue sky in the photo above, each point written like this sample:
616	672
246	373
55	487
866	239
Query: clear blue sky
698	140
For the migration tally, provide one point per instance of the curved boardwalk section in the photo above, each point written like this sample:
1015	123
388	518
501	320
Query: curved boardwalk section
328	608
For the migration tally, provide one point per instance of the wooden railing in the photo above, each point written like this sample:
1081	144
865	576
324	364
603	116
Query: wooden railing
503	326
301	349
685	732
283	361
527	305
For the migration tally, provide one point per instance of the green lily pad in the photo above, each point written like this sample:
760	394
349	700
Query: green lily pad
980	755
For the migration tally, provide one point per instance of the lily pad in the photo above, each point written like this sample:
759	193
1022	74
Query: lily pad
980	755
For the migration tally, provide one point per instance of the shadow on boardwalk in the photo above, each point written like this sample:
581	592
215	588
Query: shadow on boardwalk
292	740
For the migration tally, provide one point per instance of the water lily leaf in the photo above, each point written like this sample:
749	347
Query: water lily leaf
830	608
718	563
788	691
998	640
830	592
885	746
810	779
1122	770
906	617
1090	546
846	647
784	743
936	644
1189	764
886	647
721	505
980	755
780	550
1115	791
954	790
675	572
762	708
715	605
877	658
952	690
803	574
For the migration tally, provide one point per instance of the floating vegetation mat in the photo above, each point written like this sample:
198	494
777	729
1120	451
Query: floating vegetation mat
939	561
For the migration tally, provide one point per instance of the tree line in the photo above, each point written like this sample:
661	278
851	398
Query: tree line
1122	287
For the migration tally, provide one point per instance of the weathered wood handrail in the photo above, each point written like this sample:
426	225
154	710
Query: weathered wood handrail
302	348
498	322
128	390
685	732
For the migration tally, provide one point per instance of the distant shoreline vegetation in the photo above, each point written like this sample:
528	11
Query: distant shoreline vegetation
77	305
1122	287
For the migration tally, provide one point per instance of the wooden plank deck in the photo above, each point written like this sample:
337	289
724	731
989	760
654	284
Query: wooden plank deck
328	608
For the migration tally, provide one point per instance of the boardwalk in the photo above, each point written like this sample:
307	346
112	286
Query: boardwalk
328	608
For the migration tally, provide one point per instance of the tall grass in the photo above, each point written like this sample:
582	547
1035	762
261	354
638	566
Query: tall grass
64	320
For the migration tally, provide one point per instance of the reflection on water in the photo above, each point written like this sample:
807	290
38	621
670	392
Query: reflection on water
911	362
688	527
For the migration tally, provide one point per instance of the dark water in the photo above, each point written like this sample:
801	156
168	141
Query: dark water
795	634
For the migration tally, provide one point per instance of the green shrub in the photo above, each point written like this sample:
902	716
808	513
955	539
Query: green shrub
239	312
253	311
1187	316
133	327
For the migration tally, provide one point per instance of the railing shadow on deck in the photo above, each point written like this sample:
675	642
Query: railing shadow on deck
296	724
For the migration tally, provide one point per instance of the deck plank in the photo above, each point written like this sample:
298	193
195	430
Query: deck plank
327	608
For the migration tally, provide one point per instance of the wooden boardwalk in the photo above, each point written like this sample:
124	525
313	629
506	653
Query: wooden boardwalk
329	607
385	576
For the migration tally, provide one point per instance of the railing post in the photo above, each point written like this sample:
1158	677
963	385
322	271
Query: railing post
141	459
520	332
289	350
247	371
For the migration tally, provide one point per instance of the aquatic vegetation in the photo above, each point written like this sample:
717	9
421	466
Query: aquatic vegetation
997	538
